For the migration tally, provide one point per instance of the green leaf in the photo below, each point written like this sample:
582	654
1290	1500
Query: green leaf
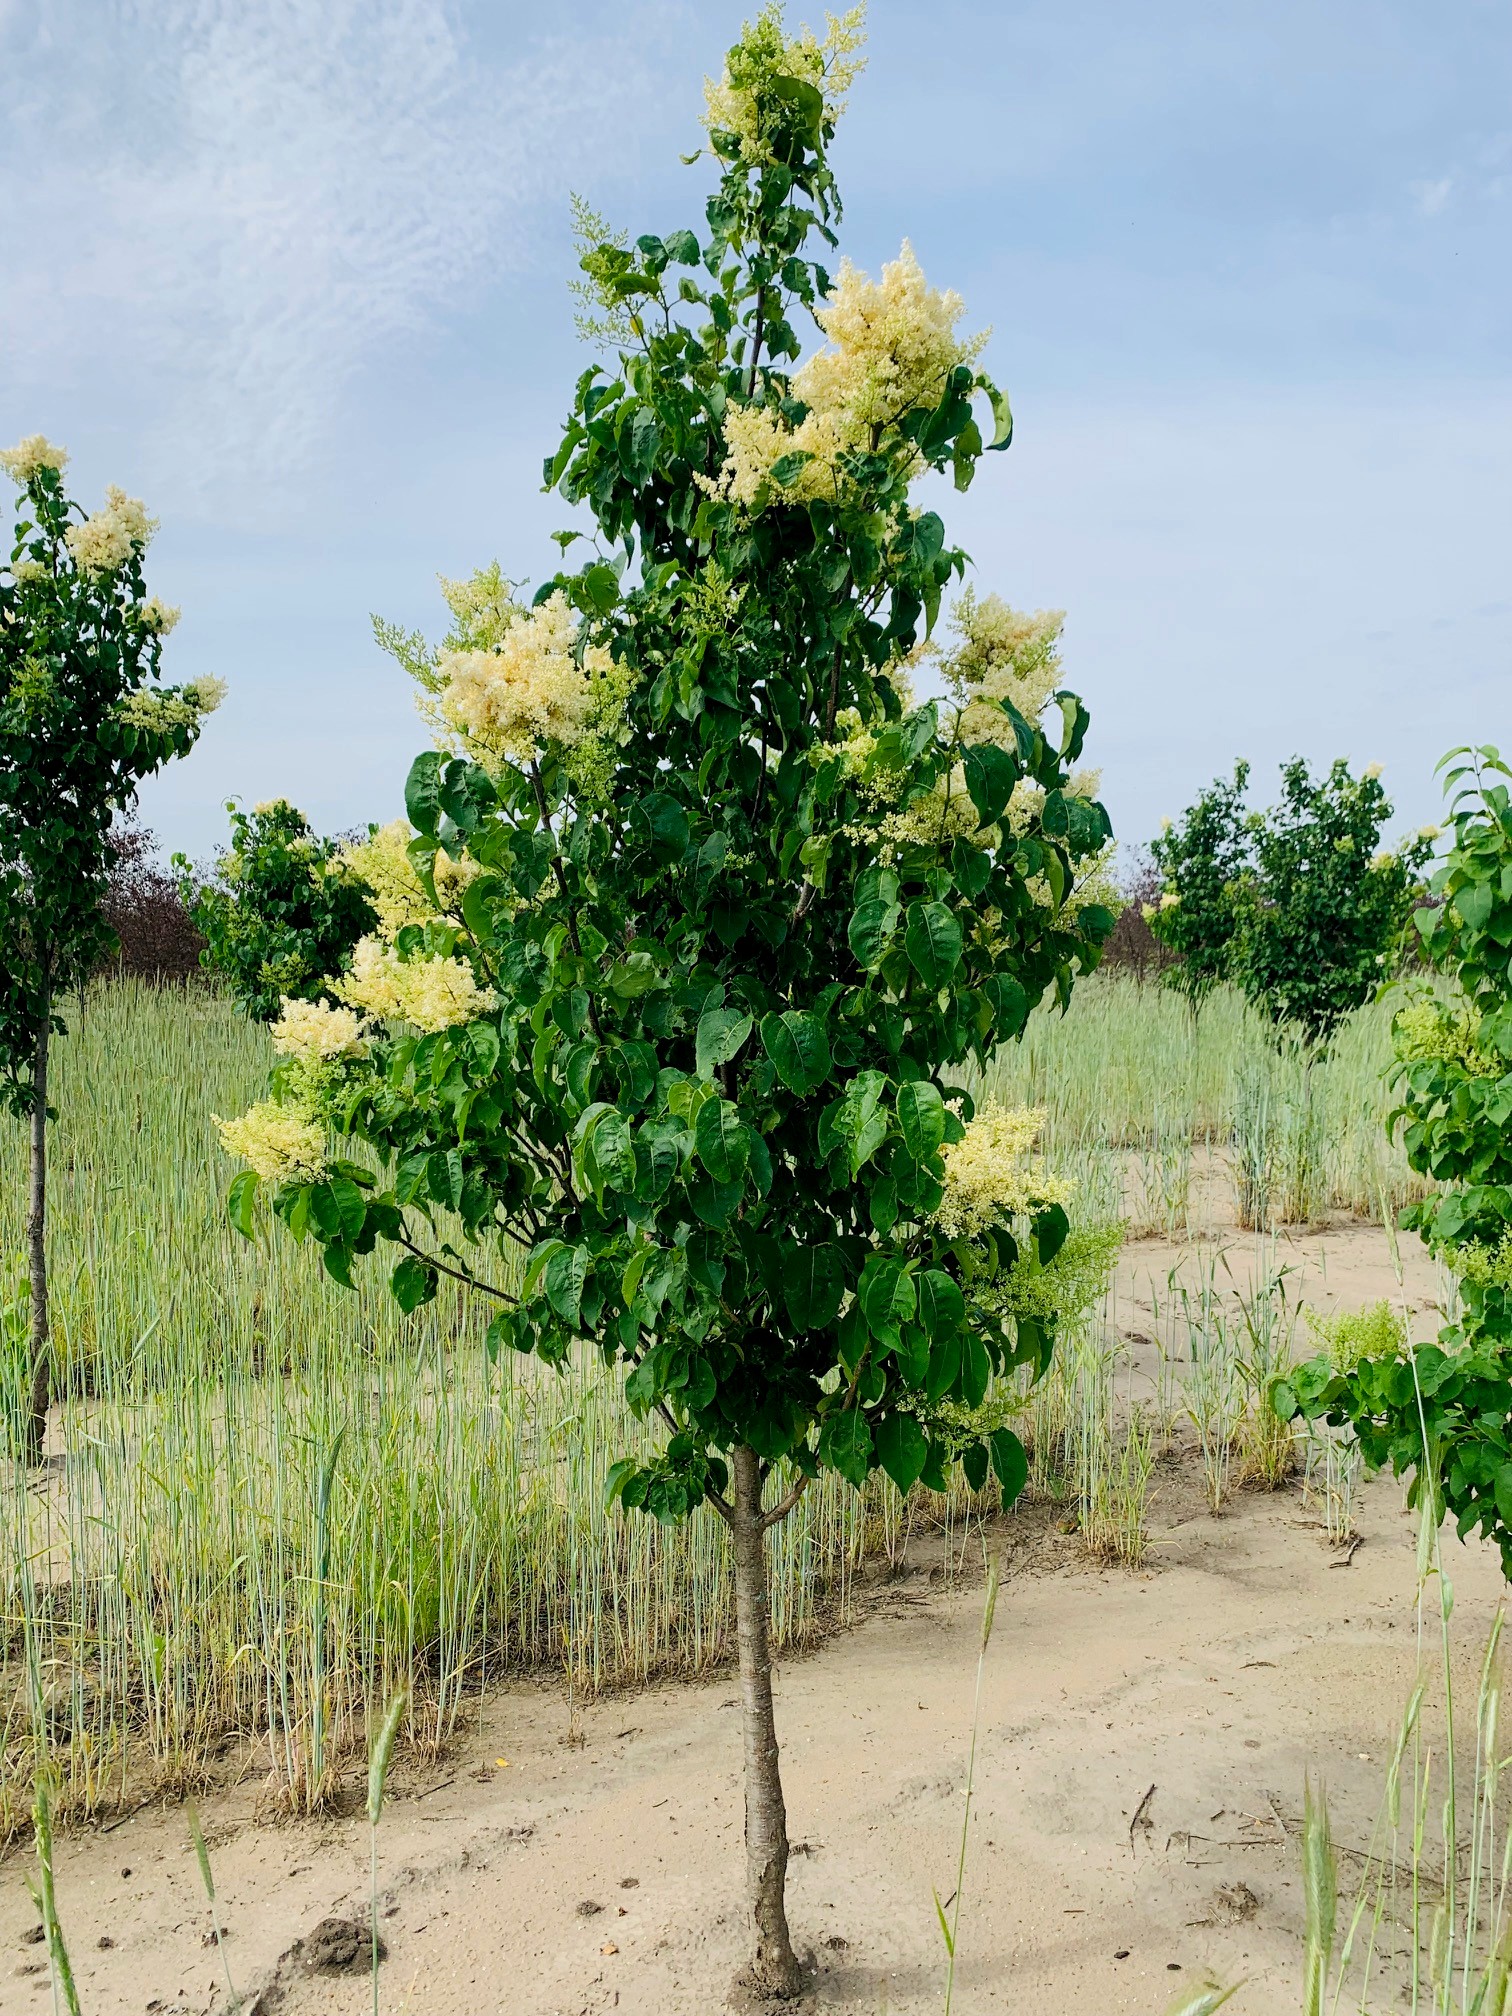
991	774
413	1282
932	939
976	1369
798	1048
813	1285
974	1463
241	1201
600	588
721	1139
1010	1463
902	1448
351	1206
845	1444
873	924
921	1118
942	1307
565	1273
611	1152
970	868
886	1294
422	792
722	1033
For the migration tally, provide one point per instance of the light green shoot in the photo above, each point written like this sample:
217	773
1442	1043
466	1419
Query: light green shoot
378	1765
950	1928
207	1877
43	1893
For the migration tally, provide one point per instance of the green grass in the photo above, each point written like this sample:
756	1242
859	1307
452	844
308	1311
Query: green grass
280	1503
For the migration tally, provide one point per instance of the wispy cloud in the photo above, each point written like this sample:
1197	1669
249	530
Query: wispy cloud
237	206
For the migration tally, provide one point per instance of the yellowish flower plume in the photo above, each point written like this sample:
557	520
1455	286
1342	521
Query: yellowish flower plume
1000	654
992	1174
317	1032
282	1143
157	616
398	895
743	102
106	539
893	344
430	993
30	456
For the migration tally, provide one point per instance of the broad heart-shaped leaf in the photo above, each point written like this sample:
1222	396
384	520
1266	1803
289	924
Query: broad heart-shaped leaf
721	1034
1051	1228
422	792
976	1369
798	1048
813	1284
1010	1462
886	1294
610	1153
845	1444
942	1306
901	1450
565	1273
720	1136
991	774
921	1117
932	940
413	1282
873	923
240	1203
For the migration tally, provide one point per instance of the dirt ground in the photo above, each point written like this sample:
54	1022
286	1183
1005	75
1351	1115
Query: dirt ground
1144	1740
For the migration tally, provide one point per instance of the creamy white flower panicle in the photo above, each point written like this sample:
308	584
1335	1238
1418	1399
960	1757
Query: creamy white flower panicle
30	456
1000	654
531	690
106	539
281	1143
433	993
992	1174
207	692
1372	771
382	862
766	52
30	570
317	1032
157	616
893	343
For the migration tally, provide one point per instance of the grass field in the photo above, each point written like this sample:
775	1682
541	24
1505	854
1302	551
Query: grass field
272	1502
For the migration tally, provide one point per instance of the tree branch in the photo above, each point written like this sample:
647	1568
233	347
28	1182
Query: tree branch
456	1273
784	1505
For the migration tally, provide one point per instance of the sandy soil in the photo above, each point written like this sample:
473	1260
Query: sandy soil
599	1867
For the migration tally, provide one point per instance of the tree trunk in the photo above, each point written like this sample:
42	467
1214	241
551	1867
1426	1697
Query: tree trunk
36	1241
774	1968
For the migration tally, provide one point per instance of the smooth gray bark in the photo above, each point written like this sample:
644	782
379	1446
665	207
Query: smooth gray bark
774	1967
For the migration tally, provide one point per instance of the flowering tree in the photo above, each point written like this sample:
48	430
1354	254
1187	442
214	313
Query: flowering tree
82	722
283	912
1299	906
702	905
1443	1410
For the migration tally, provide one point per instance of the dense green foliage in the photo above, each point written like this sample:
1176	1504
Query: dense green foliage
83	719
1298	905
282	913
1445	1410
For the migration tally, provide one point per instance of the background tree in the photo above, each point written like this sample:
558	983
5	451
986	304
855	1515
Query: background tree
723	905
1298	906
156	939
82	721
1444	1411
1199	860
282	911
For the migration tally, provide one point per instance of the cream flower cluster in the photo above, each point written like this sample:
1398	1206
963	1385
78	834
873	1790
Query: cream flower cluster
992	1174
207	692
432	994
317	1033
30	456
764	52
157	616
1427	1029
382	862
1000	654
30	570
281	1143
893	341
894	344
106	539
531	690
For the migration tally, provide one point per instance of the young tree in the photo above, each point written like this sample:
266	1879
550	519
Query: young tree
283	911
1443	1411
724	905
82	721
1199	861
1298	906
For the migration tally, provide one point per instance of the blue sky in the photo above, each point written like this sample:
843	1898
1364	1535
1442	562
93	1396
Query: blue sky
295	271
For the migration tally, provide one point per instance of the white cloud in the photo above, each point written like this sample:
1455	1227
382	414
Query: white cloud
236	206
1430	197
